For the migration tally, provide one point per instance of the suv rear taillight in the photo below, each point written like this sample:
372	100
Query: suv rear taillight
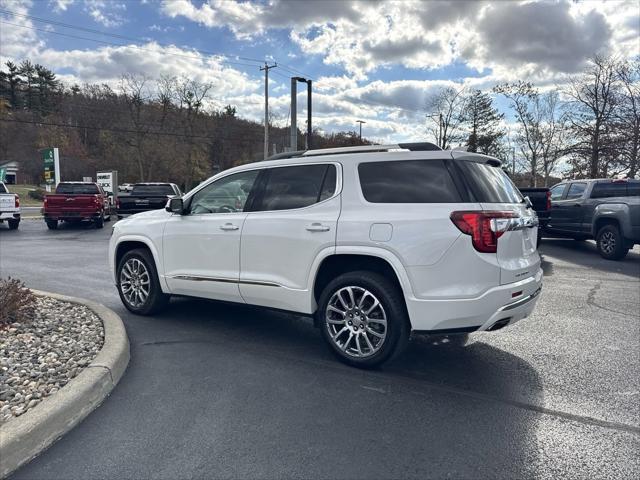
548	200
485	227
17	201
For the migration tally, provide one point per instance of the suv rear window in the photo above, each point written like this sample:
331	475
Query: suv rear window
490	184
409	181
296	187
77	189
153	190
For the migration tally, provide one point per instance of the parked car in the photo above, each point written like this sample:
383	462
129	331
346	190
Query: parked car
603	209
145	197
125	187
75	202
540	198
9	207
375	242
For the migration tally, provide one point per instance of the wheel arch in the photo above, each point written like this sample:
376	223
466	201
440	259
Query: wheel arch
128	243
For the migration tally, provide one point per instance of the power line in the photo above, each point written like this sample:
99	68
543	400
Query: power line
121	130
77	37
116	35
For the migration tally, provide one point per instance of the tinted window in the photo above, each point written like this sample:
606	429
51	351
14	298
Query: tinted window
633	188
77	189
557	191
151	190
295	187
3	189
490	184
576	190
610	189
412	181
329	185
227	195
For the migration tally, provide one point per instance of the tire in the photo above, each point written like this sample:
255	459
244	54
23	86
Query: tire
52	224
155	300
610	243
365	349
99	222
13	224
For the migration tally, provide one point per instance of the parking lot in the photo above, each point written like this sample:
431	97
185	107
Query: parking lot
227	391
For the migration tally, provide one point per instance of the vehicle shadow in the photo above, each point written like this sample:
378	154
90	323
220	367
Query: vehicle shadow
444	401
585	254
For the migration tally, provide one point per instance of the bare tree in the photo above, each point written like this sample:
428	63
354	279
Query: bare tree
445	115
592	105
136	95
553	133
628	114
525	101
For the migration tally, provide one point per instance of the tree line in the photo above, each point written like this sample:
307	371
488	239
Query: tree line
147	130
165	129
590	126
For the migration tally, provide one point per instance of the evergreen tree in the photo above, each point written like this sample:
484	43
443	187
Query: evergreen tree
483	121
10	84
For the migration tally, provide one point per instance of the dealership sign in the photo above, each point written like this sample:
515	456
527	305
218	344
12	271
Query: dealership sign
109	182
51	160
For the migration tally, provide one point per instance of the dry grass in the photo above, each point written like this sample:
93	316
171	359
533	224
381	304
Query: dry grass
17	302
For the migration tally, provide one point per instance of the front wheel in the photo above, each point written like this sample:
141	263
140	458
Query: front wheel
99	222
610	243
363	319
52	224
138	284
13	224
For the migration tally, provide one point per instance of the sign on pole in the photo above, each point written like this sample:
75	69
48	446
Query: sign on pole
51	161
109	182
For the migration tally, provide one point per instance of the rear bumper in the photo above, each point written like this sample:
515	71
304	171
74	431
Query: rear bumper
66	216
499	306
10	215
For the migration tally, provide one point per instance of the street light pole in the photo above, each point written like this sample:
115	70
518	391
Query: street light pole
360	122
266	69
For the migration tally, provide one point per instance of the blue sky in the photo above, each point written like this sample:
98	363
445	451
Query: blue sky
376	61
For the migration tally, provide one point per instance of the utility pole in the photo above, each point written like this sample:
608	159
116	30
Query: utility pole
360	122
266	69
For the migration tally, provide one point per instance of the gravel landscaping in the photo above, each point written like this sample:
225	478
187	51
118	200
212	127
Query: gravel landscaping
40	356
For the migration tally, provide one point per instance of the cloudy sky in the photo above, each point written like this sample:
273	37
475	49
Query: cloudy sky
370	60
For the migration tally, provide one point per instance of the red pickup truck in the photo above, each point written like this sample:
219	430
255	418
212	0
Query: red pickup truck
77	201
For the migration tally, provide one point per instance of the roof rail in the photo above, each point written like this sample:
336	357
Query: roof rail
413	147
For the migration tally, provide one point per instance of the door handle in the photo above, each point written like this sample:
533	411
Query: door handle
228	226
317	227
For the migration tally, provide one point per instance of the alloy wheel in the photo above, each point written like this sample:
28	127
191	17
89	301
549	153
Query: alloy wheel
356	321
608	242
135	282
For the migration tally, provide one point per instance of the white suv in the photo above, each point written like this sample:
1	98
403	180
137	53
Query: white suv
374	242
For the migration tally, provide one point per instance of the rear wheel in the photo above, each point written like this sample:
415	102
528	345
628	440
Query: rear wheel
363	319
99	222
52	224
13	224
138	284
610	243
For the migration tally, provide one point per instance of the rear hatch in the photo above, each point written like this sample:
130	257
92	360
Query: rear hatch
516	224
7	202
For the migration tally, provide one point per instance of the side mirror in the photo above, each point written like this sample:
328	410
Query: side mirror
175	205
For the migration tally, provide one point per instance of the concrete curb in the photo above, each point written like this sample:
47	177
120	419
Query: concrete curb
26	436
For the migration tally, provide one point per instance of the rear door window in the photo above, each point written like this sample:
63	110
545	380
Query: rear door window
3	189
297	186
576	190
557	191
609	189
489	183
410	181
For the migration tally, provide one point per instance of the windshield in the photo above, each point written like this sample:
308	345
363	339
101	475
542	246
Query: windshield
77	189
490	184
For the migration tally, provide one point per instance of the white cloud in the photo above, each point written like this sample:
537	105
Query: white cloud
60	5
107	13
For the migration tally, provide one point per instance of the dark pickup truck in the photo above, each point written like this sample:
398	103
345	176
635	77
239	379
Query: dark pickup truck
77	201
603	209
541	203
145	197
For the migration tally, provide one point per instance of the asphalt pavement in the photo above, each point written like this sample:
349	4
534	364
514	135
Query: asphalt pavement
228	391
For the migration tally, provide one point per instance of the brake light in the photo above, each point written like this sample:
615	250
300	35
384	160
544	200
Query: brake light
548	200
17	201
485	227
